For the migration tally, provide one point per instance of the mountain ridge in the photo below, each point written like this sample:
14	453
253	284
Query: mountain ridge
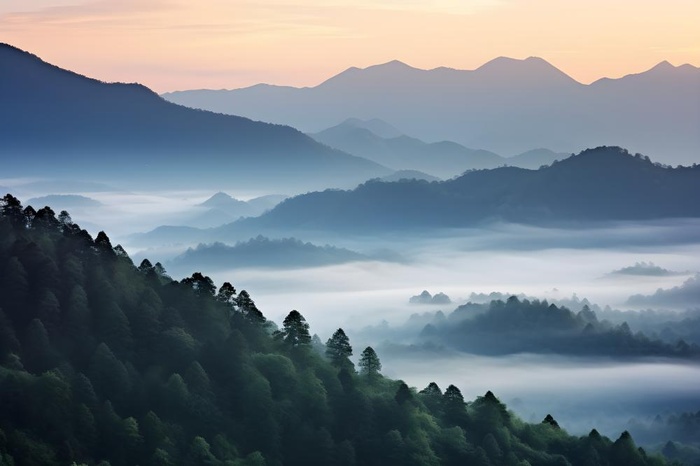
106	129
506	106
627	187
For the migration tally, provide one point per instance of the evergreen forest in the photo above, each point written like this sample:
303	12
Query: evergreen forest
103	362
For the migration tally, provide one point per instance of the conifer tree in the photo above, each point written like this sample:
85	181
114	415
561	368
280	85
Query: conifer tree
295	331
369	363
338	349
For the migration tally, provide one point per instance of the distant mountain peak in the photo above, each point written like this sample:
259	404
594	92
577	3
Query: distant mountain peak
384	71
220	196
221	199
395	64
519	68
664	65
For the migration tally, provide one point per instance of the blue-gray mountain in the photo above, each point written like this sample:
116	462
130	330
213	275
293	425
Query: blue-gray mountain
506	106
606	183
54	122
401	152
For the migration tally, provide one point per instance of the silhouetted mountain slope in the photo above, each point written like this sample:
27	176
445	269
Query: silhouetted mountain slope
606	183
53	120
444	159
507	106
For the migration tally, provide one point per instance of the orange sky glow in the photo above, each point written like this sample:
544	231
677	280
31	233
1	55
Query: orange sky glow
174	45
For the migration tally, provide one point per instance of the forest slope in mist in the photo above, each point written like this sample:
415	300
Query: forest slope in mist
105	362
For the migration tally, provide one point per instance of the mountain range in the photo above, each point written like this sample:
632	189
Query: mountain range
605	184
601	184
507	106
56	122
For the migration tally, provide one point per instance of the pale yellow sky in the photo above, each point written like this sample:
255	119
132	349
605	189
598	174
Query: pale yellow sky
172	44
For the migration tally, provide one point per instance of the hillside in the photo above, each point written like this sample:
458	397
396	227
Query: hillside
54	122
105	362
606	183
506	106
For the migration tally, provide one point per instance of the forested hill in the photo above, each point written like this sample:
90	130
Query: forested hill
605	183
516	326
105	363
56	121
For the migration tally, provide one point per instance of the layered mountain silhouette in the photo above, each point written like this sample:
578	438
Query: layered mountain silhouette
606	183
506	106
54	121
444	159
372	139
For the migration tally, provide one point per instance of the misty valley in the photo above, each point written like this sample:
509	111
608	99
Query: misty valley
187	287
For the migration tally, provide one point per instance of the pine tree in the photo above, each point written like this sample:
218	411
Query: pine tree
295	331
247	306
338	349
369	363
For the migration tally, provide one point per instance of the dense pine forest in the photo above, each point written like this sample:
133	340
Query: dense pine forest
107	363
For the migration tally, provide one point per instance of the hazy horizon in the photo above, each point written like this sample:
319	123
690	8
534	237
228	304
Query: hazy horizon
237	45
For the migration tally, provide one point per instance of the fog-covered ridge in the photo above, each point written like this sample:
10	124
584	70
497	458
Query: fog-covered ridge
605	183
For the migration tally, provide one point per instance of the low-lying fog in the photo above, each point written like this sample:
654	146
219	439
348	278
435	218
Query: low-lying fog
580	393
544	263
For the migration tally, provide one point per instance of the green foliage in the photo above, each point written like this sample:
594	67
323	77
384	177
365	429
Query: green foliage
105	363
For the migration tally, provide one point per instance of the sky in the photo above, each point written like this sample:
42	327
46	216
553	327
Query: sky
174	45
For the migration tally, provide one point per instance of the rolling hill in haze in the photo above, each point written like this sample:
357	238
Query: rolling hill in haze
55	122
606	183
262	252
401	152
506	106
